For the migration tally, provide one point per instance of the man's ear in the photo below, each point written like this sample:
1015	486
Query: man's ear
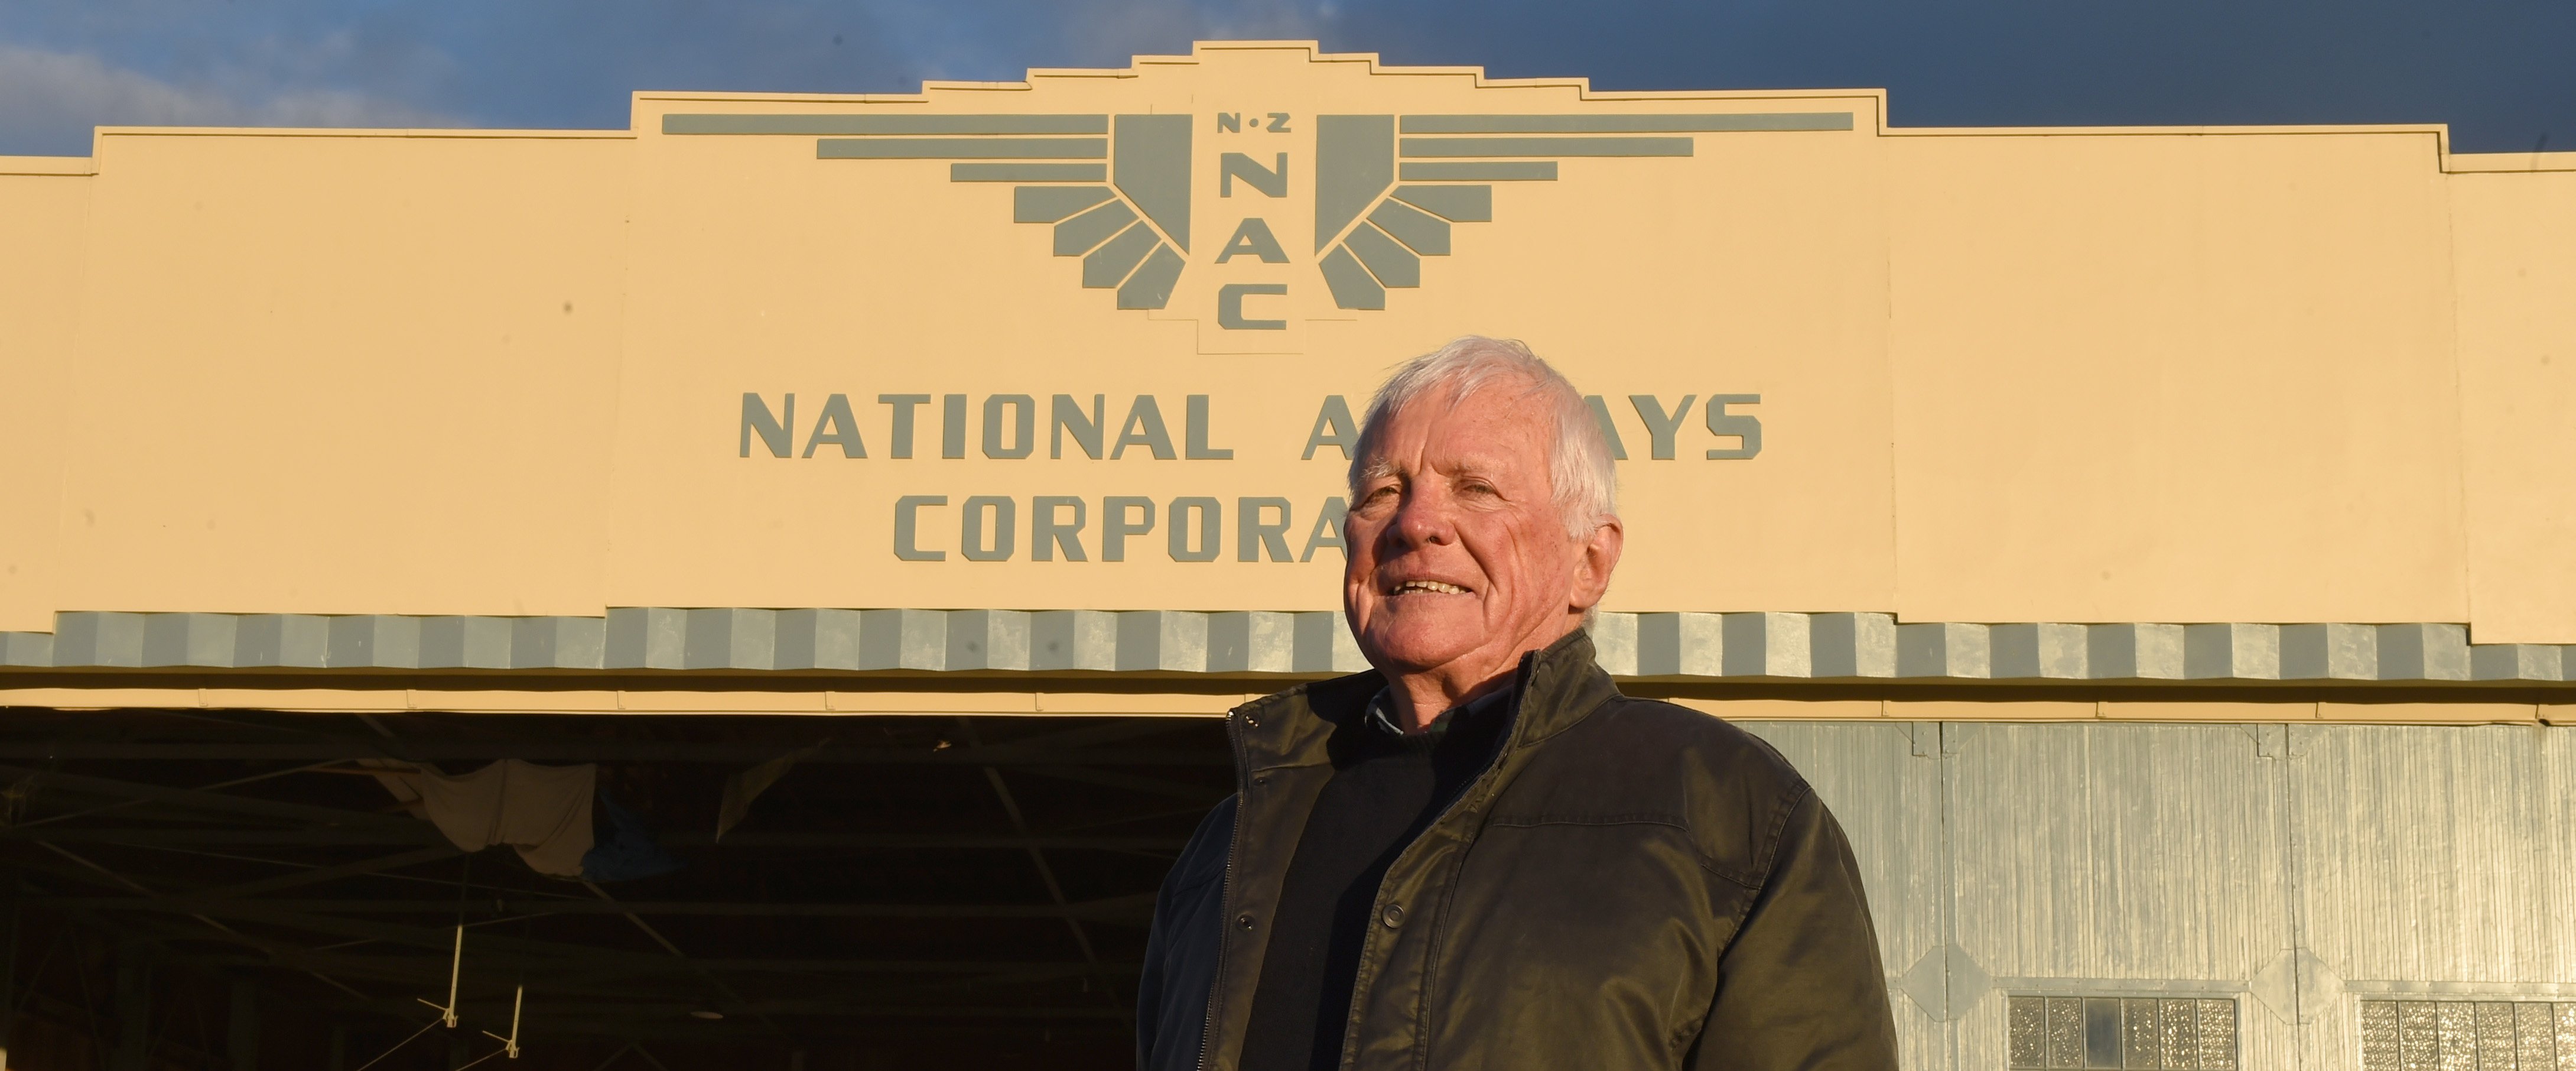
1594	559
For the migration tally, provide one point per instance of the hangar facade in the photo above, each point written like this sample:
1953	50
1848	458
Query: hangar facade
2153	543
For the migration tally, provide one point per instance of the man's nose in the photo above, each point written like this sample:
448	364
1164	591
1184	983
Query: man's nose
1423	518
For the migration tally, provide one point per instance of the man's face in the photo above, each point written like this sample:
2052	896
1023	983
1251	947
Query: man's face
1459	558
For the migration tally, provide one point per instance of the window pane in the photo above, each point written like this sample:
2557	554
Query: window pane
2065	1032
2027	1033
2125	1033
2101	1033
2379	1035
2139	1038
2467	1035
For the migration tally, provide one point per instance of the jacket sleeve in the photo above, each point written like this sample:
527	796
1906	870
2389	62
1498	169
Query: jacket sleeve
1180	949
1801	988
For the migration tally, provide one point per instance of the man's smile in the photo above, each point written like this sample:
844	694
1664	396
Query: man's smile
1428	587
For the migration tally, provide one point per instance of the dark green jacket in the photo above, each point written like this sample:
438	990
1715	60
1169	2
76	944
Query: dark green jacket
1630	885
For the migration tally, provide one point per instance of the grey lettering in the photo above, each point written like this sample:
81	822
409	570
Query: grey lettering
1252	535
1114	528
838	427
1609	430
1252	236
1229	122
1271	181
1229	306
1023	425
952	427
1328	529
906	527
1210	527
756	417
1194	429
1063	415
1660	426
1334	428
1746	428
1144	427
1046	533
1005	529
902	433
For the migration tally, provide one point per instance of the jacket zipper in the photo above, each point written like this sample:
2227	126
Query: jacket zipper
1475	789
1225	888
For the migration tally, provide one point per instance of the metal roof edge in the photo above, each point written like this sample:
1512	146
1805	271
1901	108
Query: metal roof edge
1672	647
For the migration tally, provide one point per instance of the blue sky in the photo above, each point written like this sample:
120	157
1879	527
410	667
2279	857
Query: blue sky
2502	74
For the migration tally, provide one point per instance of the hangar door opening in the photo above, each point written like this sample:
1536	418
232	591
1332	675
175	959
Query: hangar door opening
248	890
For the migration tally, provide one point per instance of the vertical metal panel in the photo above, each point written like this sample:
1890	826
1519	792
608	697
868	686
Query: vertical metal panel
1888	802
2305	867
2080	847
2434	856
2117	856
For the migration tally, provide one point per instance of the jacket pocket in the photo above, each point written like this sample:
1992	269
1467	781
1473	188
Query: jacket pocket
1577	940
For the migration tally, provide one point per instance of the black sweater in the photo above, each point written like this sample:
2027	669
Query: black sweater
1385	788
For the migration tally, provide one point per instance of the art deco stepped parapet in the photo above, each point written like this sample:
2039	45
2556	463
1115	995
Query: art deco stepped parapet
1668	646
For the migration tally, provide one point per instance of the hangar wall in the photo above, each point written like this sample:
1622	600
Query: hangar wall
2512	230
2155	552
2226	375
2311	874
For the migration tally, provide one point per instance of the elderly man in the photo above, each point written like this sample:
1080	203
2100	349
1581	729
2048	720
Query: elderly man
1481	855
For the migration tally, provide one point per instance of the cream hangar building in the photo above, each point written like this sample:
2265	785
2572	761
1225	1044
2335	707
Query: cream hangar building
2155	543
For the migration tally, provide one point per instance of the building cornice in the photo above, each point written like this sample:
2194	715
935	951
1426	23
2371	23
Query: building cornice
1676	647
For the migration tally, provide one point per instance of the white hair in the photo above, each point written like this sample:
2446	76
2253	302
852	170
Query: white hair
1580	475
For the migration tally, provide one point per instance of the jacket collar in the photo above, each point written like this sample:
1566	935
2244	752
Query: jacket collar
1556	687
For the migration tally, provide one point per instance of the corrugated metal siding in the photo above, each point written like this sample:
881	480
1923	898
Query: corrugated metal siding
2433	861
1888	797
2296	868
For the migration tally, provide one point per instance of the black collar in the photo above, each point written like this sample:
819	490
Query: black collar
1381	711
1554	689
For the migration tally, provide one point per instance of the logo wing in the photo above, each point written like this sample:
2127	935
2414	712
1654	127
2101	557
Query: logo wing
1384	201
1115	187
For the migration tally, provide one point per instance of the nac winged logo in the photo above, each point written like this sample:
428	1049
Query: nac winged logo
1117	189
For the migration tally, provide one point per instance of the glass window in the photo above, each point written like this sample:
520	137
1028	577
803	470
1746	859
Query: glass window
2122	1033
2467	1035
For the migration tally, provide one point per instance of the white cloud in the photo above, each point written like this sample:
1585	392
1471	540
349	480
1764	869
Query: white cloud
49	101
